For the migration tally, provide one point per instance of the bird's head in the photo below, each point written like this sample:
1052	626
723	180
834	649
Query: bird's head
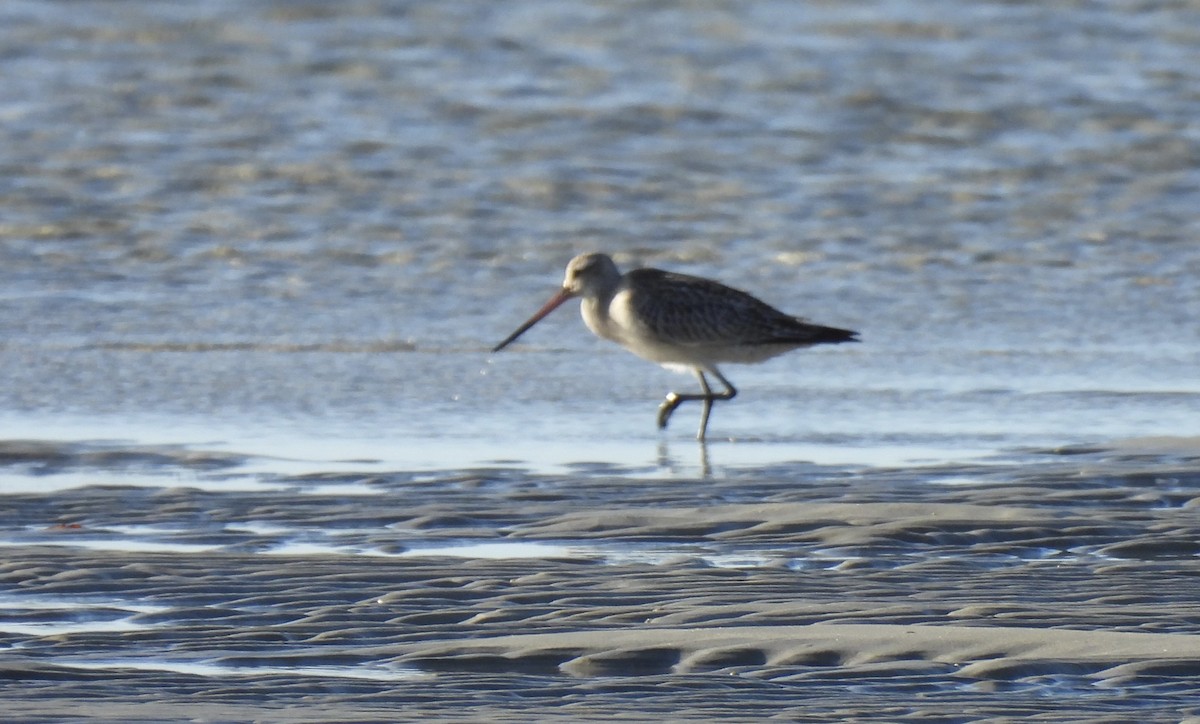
590	275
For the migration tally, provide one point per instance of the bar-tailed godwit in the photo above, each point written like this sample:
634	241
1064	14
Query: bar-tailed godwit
680	322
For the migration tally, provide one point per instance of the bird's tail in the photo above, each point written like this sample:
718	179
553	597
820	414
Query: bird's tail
833	335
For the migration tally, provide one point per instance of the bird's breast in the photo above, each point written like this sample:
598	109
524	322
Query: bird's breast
618	320
596	316
613	319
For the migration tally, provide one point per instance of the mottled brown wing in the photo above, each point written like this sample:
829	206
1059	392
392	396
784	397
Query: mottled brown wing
686	310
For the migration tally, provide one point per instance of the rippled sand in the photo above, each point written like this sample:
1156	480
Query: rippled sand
1045	583
256	464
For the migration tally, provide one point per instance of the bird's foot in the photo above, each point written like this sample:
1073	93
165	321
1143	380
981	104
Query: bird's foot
667	407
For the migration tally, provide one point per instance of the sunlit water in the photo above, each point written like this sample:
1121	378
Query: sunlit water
254	257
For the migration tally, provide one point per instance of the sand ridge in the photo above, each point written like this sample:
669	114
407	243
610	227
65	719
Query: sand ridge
1059	583
645	650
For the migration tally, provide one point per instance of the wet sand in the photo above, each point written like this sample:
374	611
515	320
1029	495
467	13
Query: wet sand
256	463
1056	585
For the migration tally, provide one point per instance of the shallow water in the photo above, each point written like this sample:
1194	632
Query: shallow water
284	218
583	593
254	255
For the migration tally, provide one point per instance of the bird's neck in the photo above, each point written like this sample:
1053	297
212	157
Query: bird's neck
595	315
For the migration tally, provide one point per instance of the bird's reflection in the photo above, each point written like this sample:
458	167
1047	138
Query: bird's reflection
675	467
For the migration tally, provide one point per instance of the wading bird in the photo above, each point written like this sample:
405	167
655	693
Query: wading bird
681	322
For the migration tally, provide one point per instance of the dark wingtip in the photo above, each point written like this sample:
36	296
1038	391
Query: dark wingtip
806	334
833	335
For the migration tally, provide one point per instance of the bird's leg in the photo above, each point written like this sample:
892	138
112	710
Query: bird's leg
675	399
708	398
729	393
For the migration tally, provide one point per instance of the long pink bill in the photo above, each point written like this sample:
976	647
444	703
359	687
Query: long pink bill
562	296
